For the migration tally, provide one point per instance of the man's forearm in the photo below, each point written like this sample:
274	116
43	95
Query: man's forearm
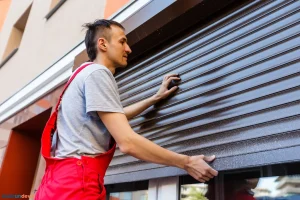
146	150
137	108
163	92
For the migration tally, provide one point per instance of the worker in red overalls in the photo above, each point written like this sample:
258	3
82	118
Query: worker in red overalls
78	141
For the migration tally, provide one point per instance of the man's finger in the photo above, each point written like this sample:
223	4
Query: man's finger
173	89
213	172
206	173
201	180
170	75
209	158
206	178
172	78
209	175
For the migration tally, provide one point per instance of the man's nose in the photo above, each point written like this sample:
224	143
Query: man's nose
128	50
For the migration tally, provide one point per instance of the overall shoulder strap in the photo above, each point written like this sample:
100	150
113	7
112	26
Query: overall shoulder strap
50	127
68	83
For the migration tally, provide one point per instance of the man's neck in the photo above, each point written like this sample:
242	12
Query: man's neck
105	63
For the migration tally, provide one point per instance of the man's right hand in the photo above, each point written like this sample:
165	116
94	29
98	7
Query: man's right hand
198	168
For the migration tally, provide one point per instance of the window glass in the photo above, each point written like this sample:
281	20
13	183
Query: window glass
266	188
194	192
191	189
135	195
266	183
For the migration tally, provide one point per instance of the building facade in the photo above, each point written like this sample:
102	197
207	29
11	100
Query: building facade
239	97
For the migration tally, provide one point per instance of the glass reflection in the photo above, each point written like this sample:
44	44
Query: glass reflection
278	188
194	191
240	189
135	195
266	188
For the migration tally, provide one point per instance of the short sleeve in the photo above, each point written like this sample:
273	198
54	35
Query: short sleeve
101	92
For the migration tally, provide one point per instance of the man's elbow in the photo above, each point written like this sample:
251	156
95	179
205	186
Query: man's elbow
124	149
126	141
126	146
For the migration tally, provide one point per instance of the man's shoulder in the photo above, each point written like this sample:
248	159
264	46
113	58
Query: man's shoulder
92	69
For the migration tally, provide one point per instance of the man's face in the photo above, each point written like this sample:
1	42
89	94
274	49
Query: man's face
118	49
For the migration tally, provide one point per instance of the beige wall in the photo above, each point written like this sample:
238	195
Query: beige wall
44	41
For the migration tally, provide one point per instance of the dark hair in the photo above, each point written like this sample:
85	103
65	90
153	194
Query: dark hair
100	28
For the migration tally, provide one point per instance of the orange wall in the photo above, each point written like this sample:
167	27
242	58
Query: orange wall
113	6
21	157
4	5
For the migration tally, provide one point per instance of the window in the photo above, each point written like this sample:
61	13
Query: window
276	182
190	189
194	191
128	191
54	6
135	195
15	38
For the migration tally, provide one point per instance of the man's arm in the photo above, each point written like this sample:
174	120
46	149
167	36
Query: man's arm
163	92
133	144
137	108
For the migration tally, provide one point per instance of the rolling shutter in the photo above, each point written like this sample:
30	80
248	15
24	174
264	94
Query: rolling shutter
239	97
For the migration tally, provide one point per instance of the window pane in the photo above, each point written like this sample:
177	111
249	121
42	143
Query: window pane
199	191
266	188
135	195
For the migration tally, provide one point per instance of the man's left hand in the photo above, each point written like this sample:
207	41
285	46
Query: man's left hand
163	91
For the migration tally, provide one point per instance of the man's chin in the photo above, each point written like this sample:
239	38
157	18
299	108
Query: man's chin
122	65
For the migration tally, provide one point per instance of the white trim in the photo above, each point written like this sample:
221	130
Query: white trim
137	5
56	75
163	188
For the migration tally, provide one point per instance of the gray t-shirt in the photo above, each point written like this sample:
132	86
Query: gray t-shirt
80	130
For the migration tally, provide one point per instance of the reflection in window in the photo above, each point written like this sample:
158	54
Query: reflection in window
194	192
240	189
267	188
281	188
135	195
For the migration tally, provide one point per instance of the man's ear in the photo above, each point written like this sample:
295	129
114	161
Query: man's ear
102	44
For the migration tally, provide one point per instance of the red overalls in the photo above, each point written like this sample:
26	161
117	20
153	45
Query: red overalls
72	178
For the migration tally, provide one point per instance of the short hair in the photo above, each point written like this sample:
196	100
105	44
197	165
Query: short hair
99	28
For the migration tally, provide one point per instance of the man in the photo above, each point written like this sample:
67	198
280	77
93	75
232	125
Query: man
91	112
